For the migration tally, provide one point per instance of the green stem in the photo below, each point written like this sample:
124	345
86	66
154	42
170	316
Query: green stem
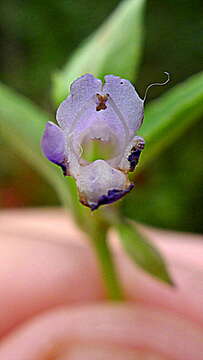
109	274
96	226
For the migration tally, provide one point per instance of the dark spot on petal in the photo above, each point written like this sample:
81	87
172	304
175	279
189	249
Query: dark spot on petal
112	196
64	169
133	158
63	166
121	82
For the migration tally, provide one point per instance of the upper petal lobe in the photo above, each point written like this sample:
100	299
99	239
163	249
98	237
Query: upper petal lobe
81	93
126	99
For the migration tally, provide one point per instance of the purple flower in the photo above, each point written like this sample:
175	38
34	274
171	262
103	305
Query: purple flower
109	112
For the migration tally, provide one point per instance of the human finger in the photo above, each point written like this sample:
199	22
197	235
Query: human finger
123	327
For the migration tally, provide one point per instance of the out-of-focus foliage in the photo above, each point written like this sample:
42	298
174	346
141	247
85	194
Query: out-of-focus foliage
21	124
168	116
38	37
169	190
110	50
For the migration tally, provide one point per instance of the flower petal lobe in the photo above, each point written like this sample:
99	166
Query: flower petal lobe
81	92
53	144
123	94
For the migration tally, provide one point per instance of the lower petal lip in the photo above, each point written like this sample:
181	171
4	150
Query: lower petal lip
112	196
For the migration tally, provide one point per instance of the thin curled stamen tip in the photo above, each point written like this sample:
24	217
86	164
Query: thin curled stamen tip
157	84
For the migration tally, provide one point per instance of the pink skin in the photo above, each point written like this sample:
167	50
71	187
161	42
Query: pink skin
52	303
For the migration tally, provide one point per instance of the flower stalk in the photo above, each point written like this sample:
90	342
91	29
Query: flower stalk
99	241
96	226
109	113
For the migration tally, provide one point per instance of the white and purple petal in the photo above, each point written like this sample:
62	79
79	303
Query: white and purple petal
96	180
53	144
112	196
82	93
132	154
109	113
126	99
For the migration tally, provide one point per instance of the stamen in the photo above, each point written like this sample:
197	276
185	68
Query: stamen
157	84
102	99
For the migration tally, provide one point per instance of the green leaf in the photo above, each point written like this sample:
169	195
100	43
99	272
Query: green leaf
115	48
169	116
142	252
22	125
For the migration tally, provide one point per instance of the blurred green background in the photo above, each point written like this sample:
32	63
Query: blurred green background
36	39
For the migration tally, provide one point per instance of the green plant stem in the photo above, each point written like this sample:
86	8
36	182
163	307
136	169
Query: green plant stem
105	258
96	226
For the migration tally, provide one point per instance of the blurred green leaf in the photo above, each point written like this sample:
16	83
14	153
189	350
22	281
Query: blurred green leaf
170	115
22	125
142	252
115	48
